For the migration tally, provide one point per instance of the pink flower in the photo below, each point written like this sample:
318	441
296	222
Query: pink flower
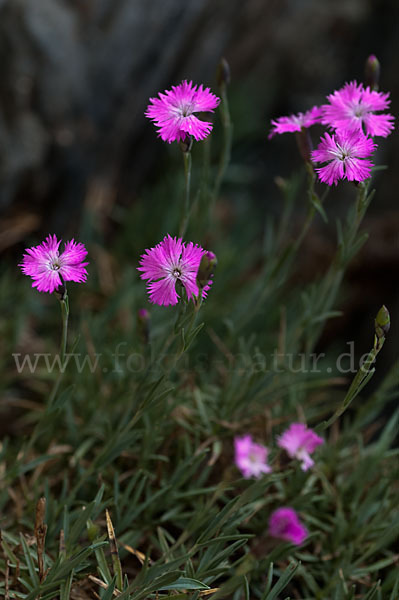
171	260
49	269
353	108
344	152
284	523
296	122
250	458
299	441
173	112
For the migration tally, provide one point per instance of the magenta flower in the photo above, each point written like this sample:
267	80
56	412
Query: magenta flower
353	108
300	442
296	122
345	153
173	112
284	523
171	260
49	269
250	458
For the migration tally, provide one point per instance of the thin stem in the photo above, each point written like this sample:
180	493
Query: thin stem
64	303
361	378
64	336
277	268
349	244
226	150
187	185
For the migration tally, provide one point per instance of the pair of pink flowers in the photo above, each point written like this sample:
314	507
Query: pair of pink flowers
353	115
170	262
299	441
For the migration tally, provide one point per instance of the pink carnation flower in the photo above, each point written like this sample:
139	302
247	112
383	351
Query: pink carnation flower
353	108
171	260
300	442
296	122
49	269
250	458
345	153
173	112
284	523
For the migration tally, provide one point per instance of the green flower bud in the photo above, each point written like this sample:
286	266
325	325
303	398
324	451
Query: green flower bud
206	269
382	322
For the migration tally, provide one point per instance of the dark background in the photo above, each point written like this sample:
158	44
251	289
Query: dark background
76	78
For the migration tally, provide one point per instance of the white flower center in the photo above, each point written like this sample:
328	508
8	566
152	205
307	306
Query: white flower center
55	263
359	110
342	153
299	120
176	272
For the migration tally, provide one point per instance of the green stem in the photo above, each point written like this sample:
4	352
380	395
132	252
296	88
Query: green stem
226	150
349	244
64	336
315	204
187	185
64	303
277	267
361	378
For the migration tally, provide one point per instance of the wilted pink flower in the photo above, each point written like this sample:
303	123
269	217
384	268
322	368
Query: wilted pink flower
353	108
344	153
48	268
300	442
250	458
284	523
171	260
173	112
295	122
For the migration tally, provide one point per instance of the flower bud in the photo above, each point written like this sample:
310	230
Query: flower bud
372	72
143	324
206	269
223	73
382	322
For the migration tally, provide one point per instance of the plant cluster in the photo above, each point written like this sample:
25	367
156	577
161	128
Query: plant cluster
122	476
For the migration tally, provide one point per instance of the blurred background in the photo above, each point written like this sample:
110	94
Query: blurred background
78	157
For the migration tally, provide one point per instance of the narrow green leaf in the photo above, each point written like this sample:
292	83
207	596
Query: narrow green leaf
282	582
29	561
185	583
